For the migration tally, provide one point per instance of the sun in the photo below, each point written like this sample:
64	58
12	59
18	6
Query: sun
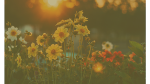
53	3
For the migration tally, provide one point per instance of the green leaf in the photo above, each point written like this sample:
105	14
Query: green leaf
124	76
137	51
137	59
136	45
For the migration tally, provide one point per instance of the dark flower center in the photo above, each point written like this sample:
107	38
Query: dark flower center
61	34
13	33
33	49
53	51
82	30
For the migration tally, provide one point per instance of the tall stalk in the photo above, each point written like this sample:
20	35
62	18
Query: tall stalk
90	77
52	72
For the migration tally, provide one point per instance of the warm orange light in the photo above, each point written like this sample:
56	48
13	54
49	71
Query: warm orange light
69	4
98	67
53	3
100	3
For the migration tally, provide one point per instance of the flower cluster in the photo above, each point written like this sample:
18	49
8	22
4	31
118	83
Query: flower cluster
44	59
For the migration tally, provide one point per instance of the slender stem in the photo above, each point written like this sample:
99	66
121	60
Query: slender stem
55	77
89	51
81	44
81	72
38	68
90	76
47	71
52	72
65	49
73	47
87	58
35	76
15	43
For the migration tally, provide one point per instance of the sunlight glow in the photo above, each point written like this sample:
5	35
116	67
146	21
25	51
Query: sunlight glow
98	67
100	3
53	3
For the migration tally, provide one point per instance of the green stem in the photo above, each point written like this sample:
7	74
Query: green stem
89	51
90	76
65	49
87	58
52	72
73	48
47	71
55	77
81	44
81	72
35	76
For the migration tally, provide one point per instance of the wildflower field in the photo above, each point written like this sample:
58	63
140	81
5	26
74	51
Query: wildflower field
43	62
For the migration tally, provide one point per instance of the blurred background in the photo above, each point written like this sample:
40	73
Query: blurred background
116	21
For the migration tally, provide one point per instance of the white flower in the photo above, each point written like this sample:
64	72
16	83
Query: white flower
12	33
9	48
12	46
107	46
22	40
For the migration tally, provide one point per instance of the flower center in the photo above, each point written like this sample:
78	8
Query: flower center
13	33
107	45
19	60
53	51
61	34
82	30
42	40
33	49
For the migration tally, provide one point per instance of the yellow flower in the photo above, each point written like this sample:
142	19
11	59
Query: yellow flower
45	35
79	14
54	51
82	30
63	21
107	46
82	19
40	40
32	51
60	34
68	25
12	33
18	60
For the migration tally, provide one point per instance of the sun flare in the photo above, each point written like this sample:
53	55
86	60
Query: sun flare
53	3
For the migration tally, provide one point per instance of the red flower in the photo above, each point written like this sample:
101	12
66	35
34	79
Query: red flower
108	55
96	54
118	56
119	53
131	56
